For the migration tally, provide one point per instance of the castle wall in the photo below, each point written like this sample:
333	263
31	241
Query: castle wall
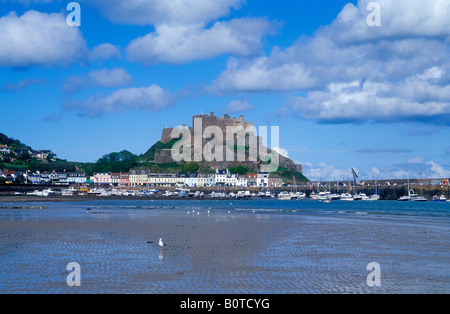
164	156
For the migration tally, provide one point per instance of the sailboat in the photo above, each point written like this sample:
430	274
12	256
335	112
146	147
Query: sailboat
412	196
376	196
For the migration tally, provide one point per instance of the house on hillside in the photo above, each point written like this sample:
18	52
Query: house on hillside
5	150
43	154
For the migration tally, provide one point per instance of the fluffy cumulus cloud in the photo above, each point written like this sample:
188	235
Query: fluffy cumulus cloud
323	171
238	106
151	99
185	43
105	52
351	72
40	39
411	168
165	12
97	78
419	98
182	31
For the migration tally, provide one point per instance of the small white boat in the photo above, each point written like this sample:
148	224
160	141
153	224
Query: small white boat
313	196
375	197
364	197
439	199
346	197
300	196
414	197
335	197
261	194
232	195
284	196
322	196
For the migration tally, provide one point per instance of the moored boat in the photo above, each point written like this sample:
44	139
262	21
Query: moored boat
442	198
284	196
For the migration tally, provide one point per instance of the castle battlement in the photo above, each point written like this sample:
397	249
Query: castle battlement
207	121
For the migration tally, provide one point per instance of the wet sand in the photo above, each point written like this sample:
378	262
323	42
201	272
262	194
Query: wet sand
236	253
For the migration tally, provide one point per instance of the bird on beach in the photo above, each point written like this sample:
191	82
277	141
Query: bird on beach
161	244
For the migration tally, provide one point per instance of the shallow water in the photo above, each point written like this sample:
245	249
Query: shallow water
256	246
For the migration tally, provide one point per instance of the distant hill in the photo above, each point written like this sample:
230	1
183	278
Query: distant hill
12	143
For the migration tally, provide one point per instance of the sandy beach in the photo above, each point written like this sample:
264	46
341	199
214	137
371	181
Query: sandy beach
217	252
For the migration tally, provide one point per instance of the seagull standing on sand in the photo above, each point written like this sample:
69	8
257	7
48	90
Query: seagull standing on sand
161	244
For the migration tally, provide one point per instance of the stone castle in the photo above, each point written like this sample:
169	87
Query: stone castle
202	122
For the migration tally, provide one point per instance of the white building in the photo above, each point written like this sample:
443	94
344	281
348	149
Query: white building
263	179
221	177
192	180
5	150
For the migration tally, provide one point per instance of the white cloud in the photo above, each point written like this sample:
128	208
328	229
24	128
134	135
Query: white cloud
166	12
18	87
356	73
105	52
185	43
281	151
418	98
187	30
237	106
399	18
98	78
437	171
152	98
40	39
324	172
412	169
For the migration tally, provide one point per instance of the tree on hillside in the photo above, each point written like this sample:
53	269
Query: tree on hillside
116	162
191	167
241	170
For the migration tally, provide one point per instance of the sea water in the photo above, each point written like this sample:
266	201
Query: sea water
226	246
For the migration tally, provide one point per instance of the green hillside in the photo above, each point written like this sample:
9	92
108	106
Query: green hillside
116	162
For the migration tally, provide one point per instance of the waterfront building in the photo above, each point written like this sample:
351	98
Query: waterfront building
192	180
115	179
252	180
275	181
102	178
182	179
263	179
124	180
221	177
76	177
211	180
138	177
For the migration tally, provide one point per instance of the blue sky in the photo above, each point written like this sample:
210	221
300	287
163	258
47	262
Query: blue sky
343	93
